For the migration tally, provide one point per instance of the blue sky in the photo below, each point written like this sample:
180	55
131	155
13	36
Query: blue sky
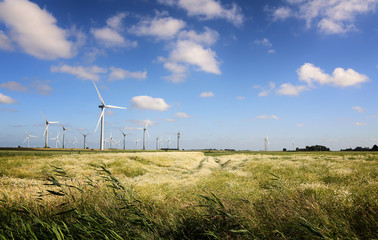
225	73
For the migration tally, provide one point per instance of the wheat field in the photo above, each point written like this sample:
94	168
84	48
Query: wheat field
188	195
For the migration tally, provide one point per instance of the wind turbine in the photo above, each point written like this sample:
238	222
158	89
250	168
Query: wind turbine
136	143
124	139
144	134
64	133
103	106
293	145
74	142
169	142
46	133
56	140
178	140
267	143
157	143
85	138
27	137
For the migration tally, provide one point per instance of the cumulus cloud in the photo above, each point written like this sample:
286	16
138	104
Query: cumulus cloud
149	103
160	27
195	54
209	9
182	115
265	91
119	74
240	98
359	109
331	17
14	86
110	35
268	117
41	87
34	30
340	78
5	42
5	99
360	123
208	37
207	94
291	90
178	71
85	73
263	42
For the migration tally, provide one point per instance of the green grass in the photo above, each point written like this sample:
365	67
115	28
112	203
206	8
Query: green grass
188	195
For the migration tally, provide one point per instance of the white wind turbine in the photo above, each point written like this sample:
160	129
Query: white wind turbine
267	143
85	138
56	140
75	141
144	134
136	143
64	133
178	140
103	106
293	145
169	142
157	143
27	137
46	133
124	139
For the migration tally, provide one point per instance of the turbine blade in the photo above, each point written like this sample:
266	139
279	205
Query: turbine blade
43	116
25	139
98	93
111	106
148	122
44	133
101	115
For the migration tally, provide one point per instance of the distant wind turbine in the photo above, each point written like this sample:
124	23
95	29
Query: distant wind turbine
75	141
124	139
293	145
56	140
144	134
169	142
157	143
103	106
178	140
64	133
136	143
85	138
46	133
27	137
267	143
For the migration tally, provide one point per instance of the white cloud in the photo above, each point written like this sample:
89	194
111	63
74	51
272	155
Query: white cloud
170	120
291	90
85	73
240	98
6	99
265	91
331	17
300	125
142	123
149	103
35	30
340	77
110	35
209	9
193	53
360	123
271	51
268	117
179	71
14	86
359	109
5	42
182	115
281	13
41	87
263	42
119	73
208	37
163	28
207	94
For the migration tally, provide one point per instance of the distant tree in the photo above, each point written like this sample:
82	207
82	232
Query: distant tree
284	149
375	148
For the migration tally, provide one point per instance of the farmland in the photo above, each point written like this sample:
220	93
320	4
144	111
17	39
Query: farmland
188	195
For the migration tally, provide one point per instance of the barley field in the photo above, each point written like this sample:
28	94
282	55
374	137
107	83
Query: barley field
188	195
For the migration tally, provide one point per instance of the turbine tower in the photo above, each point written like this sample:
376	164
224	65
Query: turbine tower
293	145
267	143
27	137
85	138
64	133
56	140
103	106
46	133
144	134
124	139
157	143
178	140
136	143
